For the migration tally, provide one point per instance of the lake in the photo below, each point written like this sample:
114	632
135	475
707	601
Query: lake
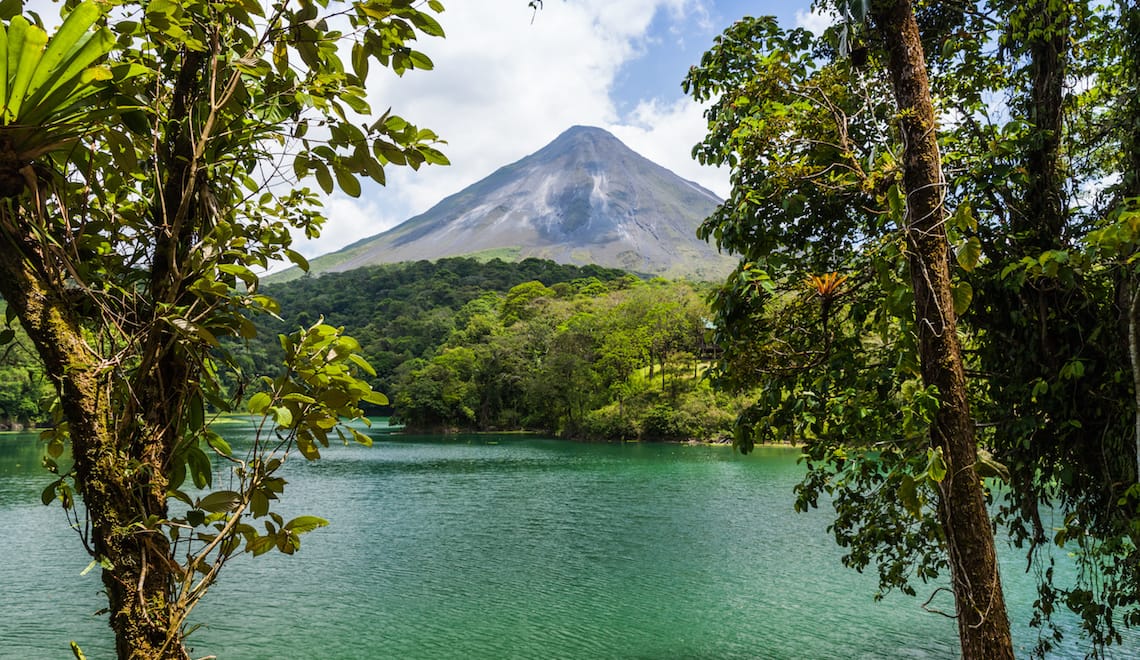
508	547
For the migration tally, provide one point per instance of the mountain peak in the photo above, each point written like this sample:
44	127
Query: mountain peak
587	142
584	198
579	132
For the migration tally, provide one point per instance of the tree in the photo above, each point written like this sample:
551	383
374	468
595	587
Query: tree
1036	203
983	626
815	184
152	157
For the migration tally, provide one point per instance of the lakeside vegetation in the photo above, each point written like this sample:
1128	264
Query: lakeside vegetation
582	352
462	344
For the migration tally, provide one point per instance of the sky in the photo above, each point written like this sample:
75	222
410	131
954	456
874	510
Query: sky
508	80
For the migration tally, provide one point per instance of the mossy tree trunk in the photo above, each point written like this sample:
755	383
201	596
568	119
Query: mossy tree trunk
138	575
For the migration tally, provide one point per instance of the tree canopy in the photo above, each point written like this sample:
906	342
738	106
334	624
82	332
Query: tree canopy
1030	202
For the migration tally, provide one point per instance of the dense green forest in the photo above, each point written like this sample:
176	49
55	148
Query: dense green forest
23	388
586	352
459	344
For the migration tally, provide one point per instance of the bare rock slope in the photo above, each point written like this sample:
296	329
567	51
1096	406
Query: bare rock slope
584	198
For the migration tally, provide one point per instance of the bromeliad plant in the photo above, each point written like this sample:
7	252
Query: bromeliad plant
47	87
154	158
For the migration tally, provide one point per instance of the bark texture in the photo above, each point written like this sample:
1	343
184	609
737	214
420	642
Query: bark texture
983	625
1131	144
138	581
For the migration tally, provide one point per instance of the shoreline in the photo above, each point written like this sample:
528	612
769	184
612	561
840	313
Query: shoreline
693	442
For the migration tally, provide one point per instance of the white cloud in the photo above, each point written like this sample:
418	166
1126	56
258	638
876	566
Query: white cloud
503	86
348	220
666	133
814	21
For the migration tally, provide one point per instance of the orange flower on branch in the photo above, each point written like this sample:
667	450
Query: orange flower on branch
827	285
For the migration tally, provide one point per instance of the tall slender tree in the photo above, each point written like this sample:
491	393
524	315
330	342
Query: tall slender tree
983	625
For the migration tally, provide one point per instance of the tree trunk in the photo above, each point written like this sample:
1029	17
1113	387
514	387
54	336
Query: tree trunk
983	626
1044	201
139	577
1131	21
1134	358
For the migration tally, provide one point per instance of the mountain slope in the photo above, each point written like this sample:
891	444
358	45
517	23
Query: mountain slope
584	198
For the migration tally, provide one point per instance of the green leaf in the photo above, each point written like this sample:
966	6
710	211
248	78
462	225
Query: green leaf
196	330
259	503
303	524
348	182
363	364
375	398
969	254
23	62
963	295
324	179
220	501
260	545
308	449
299	398
283	415
201	470
360	438
297	259
434	156
935	465
964	218
427	24
55	447
258	403
47	496
218	443
196	417
241	272
421	61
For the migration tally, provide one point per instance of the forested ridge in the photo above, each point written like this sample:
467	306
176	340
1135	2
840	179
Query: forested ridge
459	344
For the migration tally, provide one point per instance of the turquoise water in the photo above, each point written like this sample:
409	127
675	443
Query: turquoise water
506	547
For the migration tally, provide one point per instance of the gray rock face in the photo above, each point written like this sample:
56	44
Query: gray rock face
583	198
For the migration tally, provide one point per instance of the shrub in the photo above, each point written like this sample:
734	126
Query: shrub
608	424
663	422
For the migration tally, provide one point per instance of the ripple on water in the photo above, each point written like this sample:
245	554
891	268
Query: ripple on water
524	549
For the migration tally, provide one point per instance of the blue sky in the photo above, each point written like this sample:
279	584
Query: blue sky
675	43
507	81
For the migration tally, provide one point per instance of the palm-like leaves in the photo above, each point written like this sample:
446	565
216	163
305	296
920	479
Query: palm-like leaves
46	87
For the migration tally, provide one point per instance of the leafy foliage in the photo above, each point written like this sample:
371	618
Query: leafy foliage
1040	192
153	158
